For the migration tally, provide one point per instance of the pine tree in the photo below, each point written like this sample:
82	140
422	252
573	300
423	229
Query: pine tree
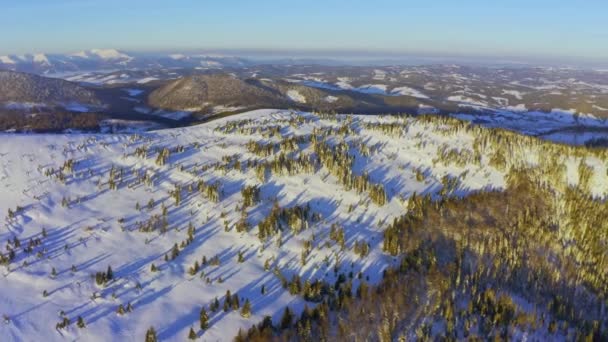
109	274
227	301
80	322
235	302
192	334
286	319
151	335
174	252
246	310
204	319
215	305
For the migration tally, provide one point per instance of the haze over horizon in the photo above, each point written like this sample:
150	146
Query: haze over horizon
519	29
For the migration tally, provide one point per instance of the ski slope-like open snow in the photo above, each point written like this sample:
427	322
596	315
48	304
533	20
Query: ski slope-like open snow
90	226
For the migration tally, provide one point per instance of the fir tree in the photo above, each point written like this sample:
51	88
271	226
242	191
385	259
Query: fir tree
286	319
80	322
151	335
235	302
109	274
192	334
246	310
204	319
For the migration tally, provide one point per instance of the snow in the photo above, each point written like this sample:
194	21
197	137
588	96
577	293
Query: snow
344	83
407	91
77	107
133	92
81	54
223	109
177	56
41	59
426	109
372	89
98	225
560	125
330	99
6	60
179	115
295	96
127	126
467	101
147	80
105	54
379	89
211	64
24	105
379	75
515	93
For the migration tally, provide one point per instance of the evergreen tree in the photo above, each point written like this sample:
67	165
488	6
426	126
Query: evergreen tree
227	301
215	305
109	274
151	335
246	310
204	319
174	252
192	334
80	322
235	302
286	319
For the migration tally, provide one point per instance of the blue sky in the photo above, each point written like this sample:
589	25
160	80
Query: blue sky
511	28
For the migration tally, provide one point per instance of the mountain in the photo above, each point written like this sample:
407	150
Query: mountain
18	89
203	92
111	59
101	54
384	227
195	93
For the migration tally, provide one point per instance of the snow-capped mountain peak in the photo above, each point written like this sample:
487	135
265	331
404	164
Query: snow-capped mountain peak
6	60
41	58
104	54
109	54
177	56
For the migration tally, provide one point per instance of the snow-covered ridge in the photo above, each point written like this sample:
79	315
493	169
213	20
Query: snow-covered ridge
104	54
101	200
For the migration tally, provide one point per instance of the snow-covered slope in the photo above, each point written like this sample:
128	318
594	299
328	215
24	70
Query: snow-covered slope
131	201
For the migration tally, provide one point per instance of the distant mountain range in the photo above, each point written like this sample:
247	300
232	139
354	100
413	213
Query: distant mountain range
177	90
110	59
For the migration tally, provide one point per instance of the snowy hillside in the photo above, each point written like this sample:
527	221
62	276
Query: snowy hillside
240	204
